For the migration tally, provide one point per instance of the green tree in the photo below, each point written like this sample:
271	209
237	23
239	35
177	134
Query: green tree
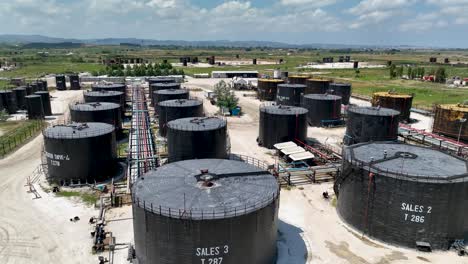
399	71
410	73
392	69
440	75
225	95
128	71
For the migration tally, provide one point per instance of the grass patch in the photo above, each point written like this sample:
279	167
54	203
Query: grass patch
87	198
16	133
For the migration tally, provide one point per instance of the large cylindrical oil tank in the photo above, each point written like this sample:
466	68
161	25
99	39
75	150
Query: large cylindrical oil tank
396	101
74	82
34	87
80	151
120	87
298	79
206	211
317	86
161	86
1	103
280	124
29	89
45	96
289	94
366	124
60	82
34	107
323	108
341	89
170	94
39	85
448	121
197	138
160	79
267	88
97	112
175	109
45	85
404	194
107	97
20	93
9	101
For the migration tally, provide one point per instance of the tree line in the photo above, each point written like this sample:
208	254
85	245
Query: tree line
156	69
439	74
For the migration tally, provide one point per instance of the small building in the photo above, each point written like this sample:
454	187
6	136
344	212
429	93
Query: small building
232	74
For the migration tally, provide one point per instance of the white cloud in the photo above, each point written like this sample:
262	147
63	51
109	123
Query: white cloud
367	6
424	22
309	3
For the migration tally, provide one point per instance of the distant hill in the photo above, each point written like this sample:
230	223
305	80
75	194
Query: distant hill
27	39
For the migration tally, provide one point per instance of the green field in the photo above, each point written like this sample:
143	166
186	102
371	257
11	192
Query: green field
87	59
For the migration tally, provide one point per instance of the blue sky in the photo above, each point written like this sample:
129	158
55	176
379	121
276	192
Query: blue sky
442	23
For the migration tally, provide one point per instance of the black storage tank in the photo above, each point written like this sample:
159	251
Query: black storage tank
161	86
341	89
280	124
298	79
206	211
29	89
45	96
108	97
175	109
97	112
267	88
60	82
323	108
197	138
34	87
290	94
80	151
171	94
317	86
44	85
9	101
39	85
161	79
397	101
366	124
34	107
120	87
404	194
20	93
74	82
1	103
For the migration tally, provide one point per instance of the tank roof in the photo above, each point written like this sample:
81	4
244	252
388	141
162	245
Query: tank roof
5	91
96	106
197	123
393	95
103	93
328	97
171	91
21	88
271	80
318	80
414	162
42	92
455	107
341	84
173	84
206	189
283	110
78	130
108	85
299	76
32	96
374	111
181	103
292	86
161	79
